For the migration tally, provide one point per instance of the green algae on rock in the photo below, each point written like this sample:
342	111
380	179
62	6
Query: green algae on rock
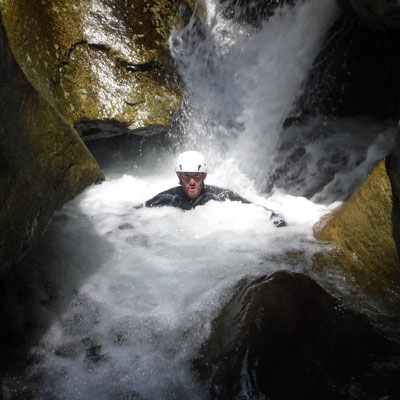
43	161
362	227
98	60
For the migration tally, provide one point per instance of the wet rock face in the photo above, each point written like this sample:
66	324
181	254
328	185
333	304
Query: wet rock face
363	226
283	337
375	13
43	162
98	59
355	73
252	12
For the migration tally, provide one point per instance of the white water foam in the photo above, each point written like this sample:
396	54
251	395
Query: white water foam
158	277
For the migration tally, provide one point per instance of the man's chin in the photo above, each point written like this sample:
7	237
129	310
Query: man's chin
193	195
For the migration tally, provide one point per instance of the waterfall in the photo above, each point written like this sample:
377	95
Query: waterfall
242	84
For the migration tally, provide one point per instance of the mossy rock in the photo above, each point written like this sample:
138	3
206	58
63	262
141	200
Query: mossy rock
43	162
107	60
362	227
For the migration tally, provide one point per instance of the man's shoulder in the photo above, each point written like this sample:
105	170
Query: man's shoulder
215	189
223	194
164	198
172	191
218	190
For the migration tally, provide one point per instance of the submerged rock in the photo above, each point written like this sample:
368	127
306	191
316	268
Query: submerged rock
363	227
283	337
104	60
43	162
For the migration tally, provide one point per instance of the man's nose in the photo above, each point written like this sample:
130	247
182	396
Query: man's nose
192	181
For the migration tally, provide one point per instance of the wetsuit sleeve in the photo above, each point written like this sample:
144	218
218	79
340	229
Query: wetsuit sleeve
232	196
276	219
162	199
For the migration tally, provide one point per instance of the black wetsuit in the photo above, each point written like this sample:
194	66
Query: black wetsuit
176	197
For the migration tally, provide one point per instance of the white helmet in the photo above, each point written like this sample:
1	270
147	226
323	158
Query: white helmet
191	161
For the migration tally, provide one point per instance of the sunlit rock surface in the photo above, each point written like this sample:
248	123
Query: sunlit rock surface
43	162
363	226
98	59
283	337
375	13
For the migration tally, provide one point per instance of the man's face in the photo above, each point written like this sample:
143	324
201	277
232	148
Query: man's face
192	183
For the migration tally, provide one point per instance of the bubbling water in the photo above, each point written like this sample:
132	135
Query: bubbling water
157	278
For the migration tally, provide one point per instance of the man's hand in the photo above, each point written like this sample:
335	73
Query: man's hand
278	220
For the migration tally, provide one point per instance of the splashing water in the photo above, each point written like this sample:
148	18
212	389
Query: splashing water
241	86
117	300
129	295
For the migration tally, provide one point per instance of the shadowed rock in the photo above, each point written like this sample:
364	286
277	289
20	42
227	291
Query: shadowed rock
283	337
43	162
393	168
355	73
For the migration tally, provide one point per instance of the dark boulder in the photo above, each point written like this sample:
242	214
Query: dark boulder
283	337
393	168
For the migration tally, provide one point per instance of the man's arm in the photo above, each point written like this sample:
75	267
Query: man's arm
276	219
166	198
232	196
162	199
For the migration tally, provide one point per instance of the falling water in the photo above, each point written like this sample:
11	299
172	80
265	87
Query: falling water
115	301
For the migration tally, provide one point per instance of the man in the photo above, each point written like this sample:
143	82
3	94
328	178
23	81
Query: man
191	169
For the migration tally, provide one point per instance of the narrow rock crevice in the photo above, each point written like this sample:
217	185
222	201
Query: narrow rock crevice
102	128
128	65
